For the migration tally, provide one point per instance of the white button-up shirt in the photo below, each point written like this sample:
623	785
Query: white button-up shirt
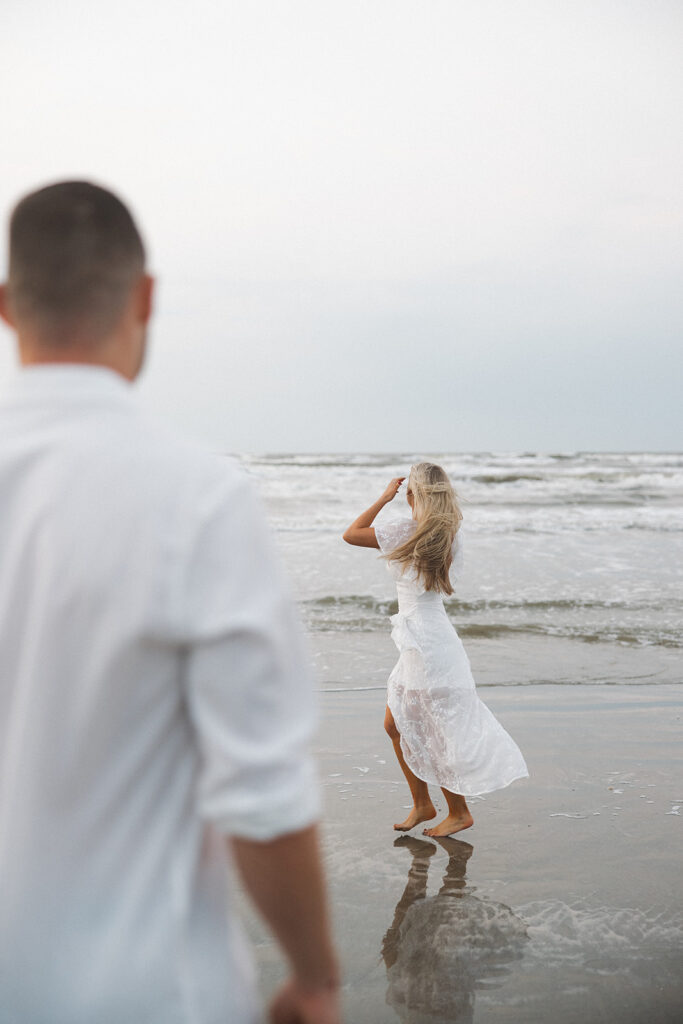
153	698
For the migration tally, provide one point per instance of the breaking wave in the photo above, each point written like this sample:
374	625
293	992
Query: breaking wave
590	621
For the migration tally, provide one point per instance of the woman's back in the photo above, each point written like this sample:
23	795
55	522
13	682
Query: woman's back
393	534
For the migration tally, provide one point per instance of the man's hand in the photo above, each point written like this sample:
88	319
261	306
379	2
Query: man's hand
284	877
295	1005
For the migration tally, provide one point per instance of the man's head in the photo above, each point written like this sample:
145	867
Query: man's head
77	288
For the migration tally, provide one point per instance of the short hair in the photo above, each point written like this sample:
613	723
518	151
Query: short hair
74	255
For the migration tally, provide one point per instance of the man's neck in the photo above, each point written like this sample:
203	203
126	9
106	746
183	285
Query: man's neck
110	356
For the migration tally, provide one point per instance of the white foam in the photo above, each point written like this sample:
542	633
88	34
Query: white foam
562	933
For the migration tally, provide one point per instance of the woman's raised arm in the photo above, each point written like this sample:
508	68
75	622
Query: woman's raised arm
361	533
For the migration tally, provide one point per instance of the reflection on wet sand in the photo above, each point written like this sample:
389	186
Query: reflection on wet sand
440	949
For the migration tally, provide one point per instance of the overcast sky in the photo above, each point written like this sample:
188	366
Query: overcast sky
380	225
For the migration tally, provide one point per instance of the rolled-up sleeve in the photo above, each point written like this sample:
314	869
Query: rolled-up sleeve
246	674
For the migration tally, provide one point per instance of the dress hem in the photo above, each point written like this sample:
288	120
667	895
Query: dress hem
435	782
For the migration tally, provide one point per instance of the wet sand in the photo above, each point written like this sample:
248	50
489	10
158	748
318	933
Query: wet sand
563	903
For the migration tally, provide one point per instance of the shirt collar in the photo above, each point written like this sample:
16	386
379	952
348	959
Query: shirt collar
71	380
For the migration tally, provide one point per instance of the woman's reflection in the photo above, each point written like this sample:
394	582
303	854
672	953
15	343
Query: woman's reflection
440	949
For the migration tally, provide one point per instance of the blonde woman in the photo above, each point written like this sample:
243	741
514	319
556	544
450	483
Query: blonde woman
442	733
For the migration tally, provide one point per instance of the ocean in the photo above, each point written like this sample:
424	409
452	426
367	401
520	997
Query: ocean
572	562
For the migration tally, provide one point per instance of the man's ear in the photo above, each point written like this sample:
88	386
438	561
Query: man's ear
4	306
145	297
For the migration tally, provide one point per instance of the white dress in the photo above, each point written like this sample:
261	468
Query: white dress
449	737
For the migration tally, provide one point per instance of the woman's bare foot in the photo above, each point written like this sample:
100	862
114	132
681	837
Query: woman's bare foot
423	813
453	823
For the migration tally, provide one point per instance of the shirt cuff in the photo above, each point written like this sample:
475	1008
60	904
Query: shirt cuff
273	806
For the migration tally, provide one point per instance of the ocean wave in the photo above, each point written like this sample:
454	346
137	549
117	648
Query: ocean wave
505	478
506	529
377	460
645	637
479	479
457	605
480	619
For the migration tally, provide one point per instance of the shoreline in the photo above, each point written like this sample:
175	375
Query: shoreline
357	660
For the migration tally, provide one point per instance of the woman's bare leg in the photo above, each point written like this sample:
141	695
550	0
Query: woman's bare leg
457	819
423	808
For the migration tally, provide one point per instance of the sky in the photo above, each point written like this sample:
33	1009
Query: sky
384	225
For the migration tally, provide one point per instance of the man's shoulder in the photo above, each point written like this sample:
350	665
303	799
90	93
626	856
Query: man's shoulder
182	461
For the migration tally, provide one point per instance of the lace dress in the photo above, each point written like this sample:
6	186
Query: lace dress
448	736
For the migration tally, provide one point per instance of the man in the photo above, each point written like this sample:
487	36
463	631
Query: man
155	706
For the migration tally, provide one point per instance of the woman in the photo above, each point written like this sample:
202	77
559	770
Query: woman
442	733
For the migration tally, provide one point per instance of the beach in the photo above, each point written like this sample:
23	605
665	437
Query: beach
572	909
563	902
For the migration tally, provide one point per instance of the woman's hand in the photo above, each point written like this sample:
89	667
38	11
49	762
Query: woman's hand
392	489
361	532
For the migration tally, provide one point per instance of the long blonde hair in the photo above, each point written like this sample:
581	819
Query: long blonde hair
438	515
